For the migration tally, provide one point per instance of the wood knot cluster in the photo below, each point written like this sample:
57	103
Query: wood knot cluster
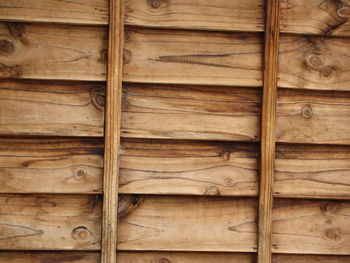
6	47
315	61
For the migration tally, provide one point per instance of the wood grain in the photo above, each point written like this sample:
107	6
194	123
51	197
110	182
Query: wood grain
186	167
268	125
187	224
41	222
185	57
46	257
51	108
313	117
37	51
188	112
311	227
280	258
314	63
51	165
76	12
311	171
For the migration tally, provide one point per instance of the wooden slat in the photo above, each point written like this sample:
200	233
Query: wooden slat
52	52
312	171
313	117
76	12
311	227
51	108
187	224
50	222
192	168
232	15
268	122
280	258
160	56
184	112
112	132
314	63
51	165
47	257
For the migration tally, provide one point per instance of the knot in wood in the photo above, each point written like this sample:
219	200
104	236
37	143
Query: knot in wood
126	56
330	208
98	98
327	72
333	234
314	61
229	181
6	47
226	155
164	260
154	3
306	112
213	190
344	12
80	173
9	72
82	234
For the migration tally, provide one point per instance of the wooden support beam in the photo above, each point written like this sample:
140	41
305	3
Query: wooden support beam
268	131
112	132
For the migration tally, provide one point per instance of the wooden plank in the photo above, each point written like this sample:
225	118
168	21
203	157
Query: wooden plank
185	57
280	258
187	224
51	165
46	257
185	112
41	222
52	52
231	15
311	227
305	171
313	117
268	122
51	108
314	63
316	17
186	167
112	132
67	12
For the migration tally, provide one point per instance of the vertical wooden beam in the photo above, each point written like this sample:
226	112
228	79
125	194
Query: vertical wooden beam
267	154
112	132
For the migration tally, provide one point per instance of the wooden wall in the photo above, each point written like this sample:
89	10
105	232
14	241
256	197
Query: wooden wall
190	128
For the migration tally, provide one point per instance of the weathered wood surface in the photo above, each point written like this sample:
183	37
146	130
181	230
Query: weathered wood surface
280	258
76	12
187	224
188	112
49	257
192	57
314	63
51	108
191	168
44	222
52	52
51	165
311	227
316	117
312	171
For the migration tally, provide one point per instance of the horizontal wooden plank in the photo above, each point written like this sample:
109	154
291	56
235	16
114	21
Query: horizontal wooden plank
187	224
311	227
37	51
192	57
41	222
313	117
314	63
178	112
191	168
51	108
280	258
312	171
76	12
48	257
51	165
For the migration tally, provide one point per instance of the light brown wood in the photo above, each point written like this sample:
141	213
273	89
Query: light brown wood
37	51
46	257
112	132
51	165
311	227
280	258
51	108
313	117
232	15
76	12
312	171
185	57
187	224
42	222
189	112
191	168
268	119
314	63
